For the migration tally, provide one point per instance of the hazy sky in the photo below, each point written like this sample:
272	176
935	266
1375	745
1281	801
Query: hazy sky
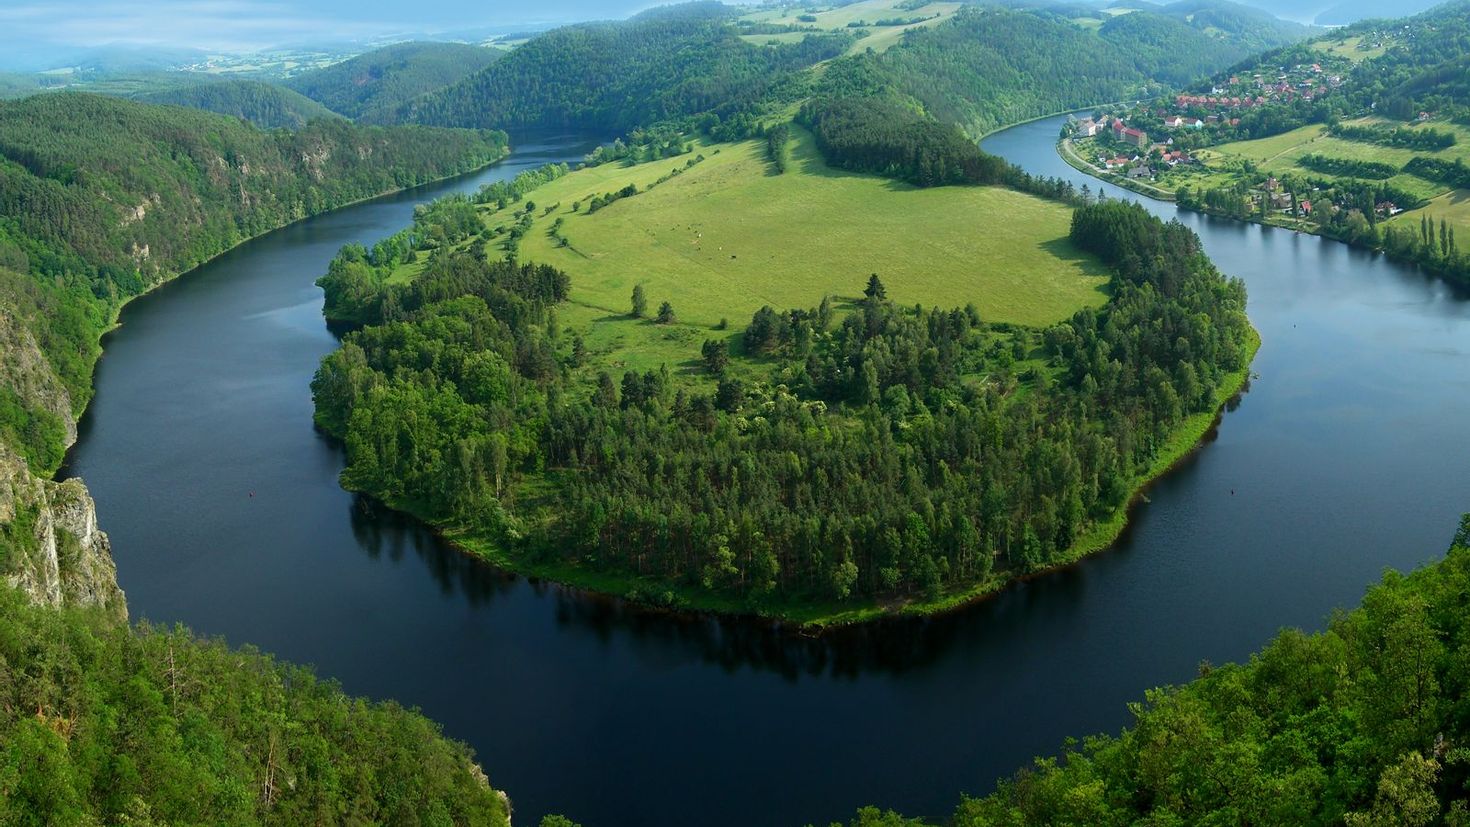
236	24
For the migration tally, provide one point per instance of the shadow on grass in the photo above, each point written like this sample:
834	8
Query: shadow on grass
1064	250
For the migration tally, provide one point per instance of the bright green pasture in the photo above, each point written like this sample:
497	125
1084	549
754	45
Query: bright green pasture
729	235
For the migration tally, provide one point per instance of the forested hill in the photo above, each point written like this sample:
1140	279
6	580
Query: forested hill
264	104
374	84
103	724
616	76
1363	725
101	198
994	66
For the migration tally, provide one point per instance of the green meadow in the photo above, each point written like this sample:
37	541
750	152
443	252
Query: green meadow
729	235
838	18
1280	154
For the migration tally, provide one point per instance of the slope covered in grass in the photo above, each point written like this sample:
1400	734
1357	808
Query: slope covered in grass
728	236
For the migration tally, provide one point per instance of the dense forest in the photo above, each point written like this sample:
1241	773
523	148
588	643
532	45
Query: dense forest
884	137
105	724
1363	725
893	451
994	66
371	86
616	76
100	198
266	105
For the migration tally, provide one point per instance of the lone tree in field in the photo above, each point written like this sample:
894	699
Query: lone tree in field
875	289
665	314
640	302
716	355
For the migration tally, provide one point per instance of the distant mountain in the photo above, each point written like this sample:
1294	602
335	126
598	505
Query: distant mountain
1239	26
672	62
1340	12
1352	11
384	79
263	104
16	85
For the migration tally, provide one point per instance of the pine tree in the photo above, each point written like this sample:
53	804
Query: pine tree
640	302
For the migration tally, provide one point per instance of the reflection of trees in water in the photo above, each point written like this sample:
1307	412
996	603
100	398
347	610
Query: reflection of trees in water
381	531
993	631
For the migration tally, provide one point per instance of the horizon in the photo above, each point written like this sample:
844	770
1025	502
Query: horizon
45	34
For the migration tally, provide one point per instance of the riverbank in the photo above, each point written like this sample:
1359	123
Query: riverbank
811	616
1067	152
114	321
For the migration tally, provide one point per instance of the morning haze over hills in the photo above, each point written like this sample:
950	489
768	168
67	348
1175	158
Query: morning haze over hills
727	414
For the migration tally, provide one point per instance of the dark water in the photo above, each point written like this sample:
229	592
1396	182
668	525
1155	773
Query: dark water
1348	455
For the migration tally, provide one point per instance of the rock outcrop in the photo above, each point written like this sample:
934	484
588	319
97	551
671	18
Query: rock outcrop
24	370
50	546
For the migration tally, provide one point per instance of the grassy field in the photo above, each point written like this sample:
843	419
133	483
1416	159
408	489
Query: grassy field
1453	206
1354	49
1280	154
728	236
837	18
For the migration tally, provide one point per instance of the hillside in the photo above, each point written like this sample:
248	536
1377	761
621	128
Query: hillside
373	84
266	105
1358	725
612	77
104	724
1359	134
101	198
993	66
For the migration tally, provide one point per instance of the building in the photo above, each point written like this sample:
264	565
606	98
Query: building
1136	137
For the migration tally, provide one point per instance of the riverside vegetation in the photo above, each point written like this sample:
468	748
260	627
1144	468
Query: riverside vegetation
821	463
1361	725
953	449
1372	153
102	199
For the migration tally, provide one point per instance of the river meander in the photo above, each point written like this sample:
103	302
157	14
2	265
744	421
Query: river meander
1348	454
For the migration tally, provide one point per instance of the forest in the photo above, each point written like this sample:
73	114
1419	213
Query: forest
266	105
1362	725
992	66
370	86
102	198
613	77
885	138
893	451
101	723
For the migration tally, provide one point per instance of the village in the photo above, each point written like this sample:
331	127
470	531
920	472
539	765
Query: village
1125	149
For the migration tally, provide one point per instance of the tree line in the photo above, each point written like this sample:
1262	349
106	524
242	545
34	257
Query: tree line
1361	725
888	452
101	198
617	76
104	724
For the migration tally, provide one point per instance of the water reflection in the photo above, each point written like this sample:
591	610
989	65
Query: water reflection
1347	456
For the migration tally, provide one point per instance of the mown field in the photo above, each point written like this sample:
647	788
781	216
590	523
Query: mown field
729	235
837	18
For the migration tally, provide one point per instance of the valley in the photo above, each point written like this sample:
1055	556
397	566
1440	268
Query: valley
746	391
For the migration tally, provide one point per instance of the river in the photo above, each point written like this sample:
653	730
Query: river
1346	456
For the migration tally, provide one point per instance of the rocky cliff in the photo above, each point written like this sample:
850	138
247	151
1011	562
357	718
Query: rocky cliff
50	546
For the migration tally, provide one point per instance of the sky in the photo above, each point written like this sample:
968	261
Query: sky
242	25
